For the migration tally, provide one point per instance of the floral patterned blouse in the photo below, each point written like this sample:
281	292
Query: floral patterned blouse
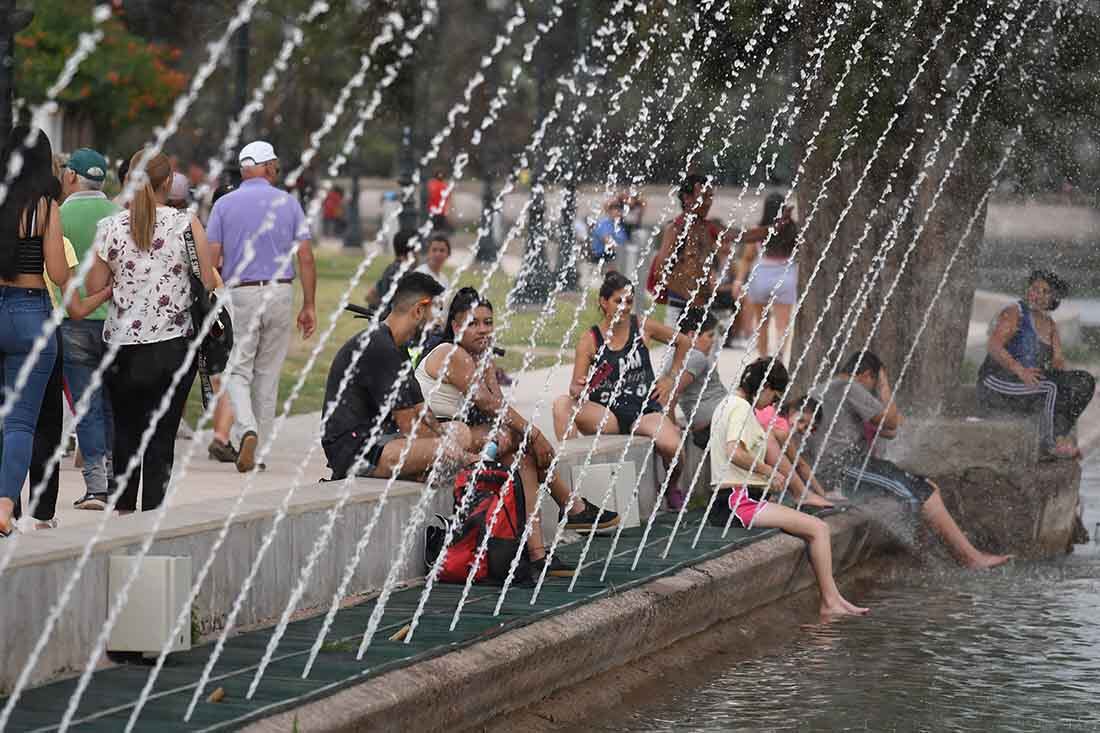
151	297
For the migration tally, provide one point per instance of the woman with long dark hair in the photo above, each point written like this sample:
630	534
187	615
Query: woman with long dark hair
772	272
460	366
31	246
624	389
143	252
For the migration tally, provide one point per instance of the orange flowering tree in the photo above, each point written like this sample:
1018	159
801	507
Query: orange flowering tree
125	82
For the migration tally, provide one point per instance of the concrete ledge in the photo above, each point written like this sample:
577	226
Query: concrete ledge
509	672
45	560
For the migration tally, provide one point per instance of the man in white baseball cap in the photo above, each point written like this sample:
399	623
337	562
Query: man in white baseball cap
240	218
257	153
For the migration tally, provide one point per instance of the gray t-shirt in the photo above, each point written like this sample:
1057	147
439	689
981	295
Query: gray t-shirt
847	438
698	364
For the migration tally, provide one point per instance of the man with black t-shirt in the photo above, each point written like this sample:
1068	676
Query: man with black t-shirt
382	389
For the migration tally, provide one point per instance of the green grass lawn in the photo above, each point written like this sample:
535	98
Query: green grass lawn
334	271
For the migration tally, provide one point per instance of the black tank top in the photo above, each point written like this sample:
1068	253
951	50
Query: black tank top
635	370
29	255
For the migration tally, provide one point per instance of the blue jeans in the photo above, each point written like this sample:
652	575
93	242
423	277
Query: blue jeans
84	350
23	312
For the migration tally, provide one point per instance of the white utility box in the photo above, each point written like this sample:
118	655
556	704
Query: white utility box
152	604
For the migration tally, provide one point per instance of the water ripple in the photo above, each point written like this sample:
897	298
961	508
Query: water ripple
1017	650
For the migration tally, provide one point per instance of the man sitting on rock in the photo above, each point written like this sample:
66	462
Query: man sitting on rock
871	399
377	372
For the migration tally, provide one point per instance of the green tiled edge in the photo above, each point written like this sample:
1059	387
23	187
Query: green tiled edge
107	702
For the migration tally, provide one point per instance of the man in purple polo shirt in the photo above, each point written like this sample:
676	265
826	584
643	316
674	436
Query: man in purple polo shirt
254	232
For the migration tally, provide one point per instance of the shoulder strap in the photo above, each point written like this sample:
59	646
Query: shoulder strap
598	336
192	254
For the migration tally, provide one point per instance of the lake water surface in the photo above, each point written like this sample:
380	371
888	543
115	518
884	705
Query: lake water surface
1017	650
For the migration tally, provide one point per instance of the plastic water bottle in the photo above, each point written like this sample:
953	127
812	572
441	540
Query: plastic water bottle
489	452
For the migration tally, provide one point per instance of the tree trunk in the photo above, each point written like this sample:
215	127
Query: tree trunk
932	376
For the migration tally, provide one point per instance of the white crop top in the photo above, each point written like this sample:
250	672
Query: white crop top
443	398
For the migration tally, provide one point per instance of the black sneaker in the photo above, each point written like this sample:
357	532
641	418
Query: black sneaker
93	502
583	520
221	452
558	568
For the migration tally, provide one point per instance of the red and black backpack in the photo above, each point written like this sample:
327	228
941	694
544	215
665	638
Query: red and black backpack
493	486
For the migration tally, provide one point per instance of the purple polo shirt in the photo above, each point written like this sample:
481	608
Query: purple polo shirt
239	215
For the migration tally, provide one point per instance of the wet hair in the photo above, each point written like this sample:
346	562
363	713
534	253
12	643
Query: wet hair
440	237
752	379
1059	288
687	188
401	243
857	364
143	207
805	403
34	183
698	320
613	282
465	300
414	287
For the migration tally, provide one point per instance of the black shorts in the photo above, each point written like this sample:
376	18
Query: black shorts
885	477
627	415
343	452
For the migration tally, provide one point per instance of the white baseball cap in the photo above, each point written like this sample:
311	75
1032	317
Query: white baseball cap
256	153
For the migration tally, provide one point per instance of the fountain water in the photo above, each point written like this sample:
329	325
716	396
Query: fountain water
319	546
964	93
670	73
975	116
614	105
848	206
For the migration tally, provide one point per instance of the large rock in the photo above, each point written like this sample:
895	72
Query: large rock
993	483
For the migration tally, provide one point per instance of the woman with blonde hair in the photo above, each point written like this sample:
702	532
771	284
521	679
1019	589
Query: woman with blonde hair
143	252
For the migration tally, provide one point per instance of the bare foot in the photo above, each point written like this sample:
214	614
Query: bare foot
841	607
985	561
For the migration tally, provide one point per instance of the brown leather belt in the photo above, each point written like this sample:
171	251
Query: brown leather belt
261	283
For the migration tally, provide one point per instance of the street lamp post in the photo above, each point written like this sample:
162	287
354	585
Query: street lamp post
486	241
536	283
11	22
405	97
567	267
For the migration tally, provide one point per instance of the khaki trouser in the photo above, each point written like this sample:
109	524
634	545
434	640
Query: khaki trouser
259	350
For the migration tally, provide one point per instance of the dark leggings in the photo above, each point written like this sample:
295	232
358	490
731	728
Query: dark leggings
47	435
1060	397
142	375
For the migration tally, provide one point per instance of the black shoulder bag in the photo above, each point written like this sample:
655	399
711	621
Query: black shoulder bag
218	343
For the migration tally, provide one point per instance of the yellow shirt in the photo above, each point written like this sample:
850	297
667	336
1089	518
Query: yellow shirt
72	261
734	421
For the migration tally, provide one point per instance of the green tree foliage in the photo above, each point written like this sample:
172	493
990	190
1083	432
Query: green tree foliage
126	82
